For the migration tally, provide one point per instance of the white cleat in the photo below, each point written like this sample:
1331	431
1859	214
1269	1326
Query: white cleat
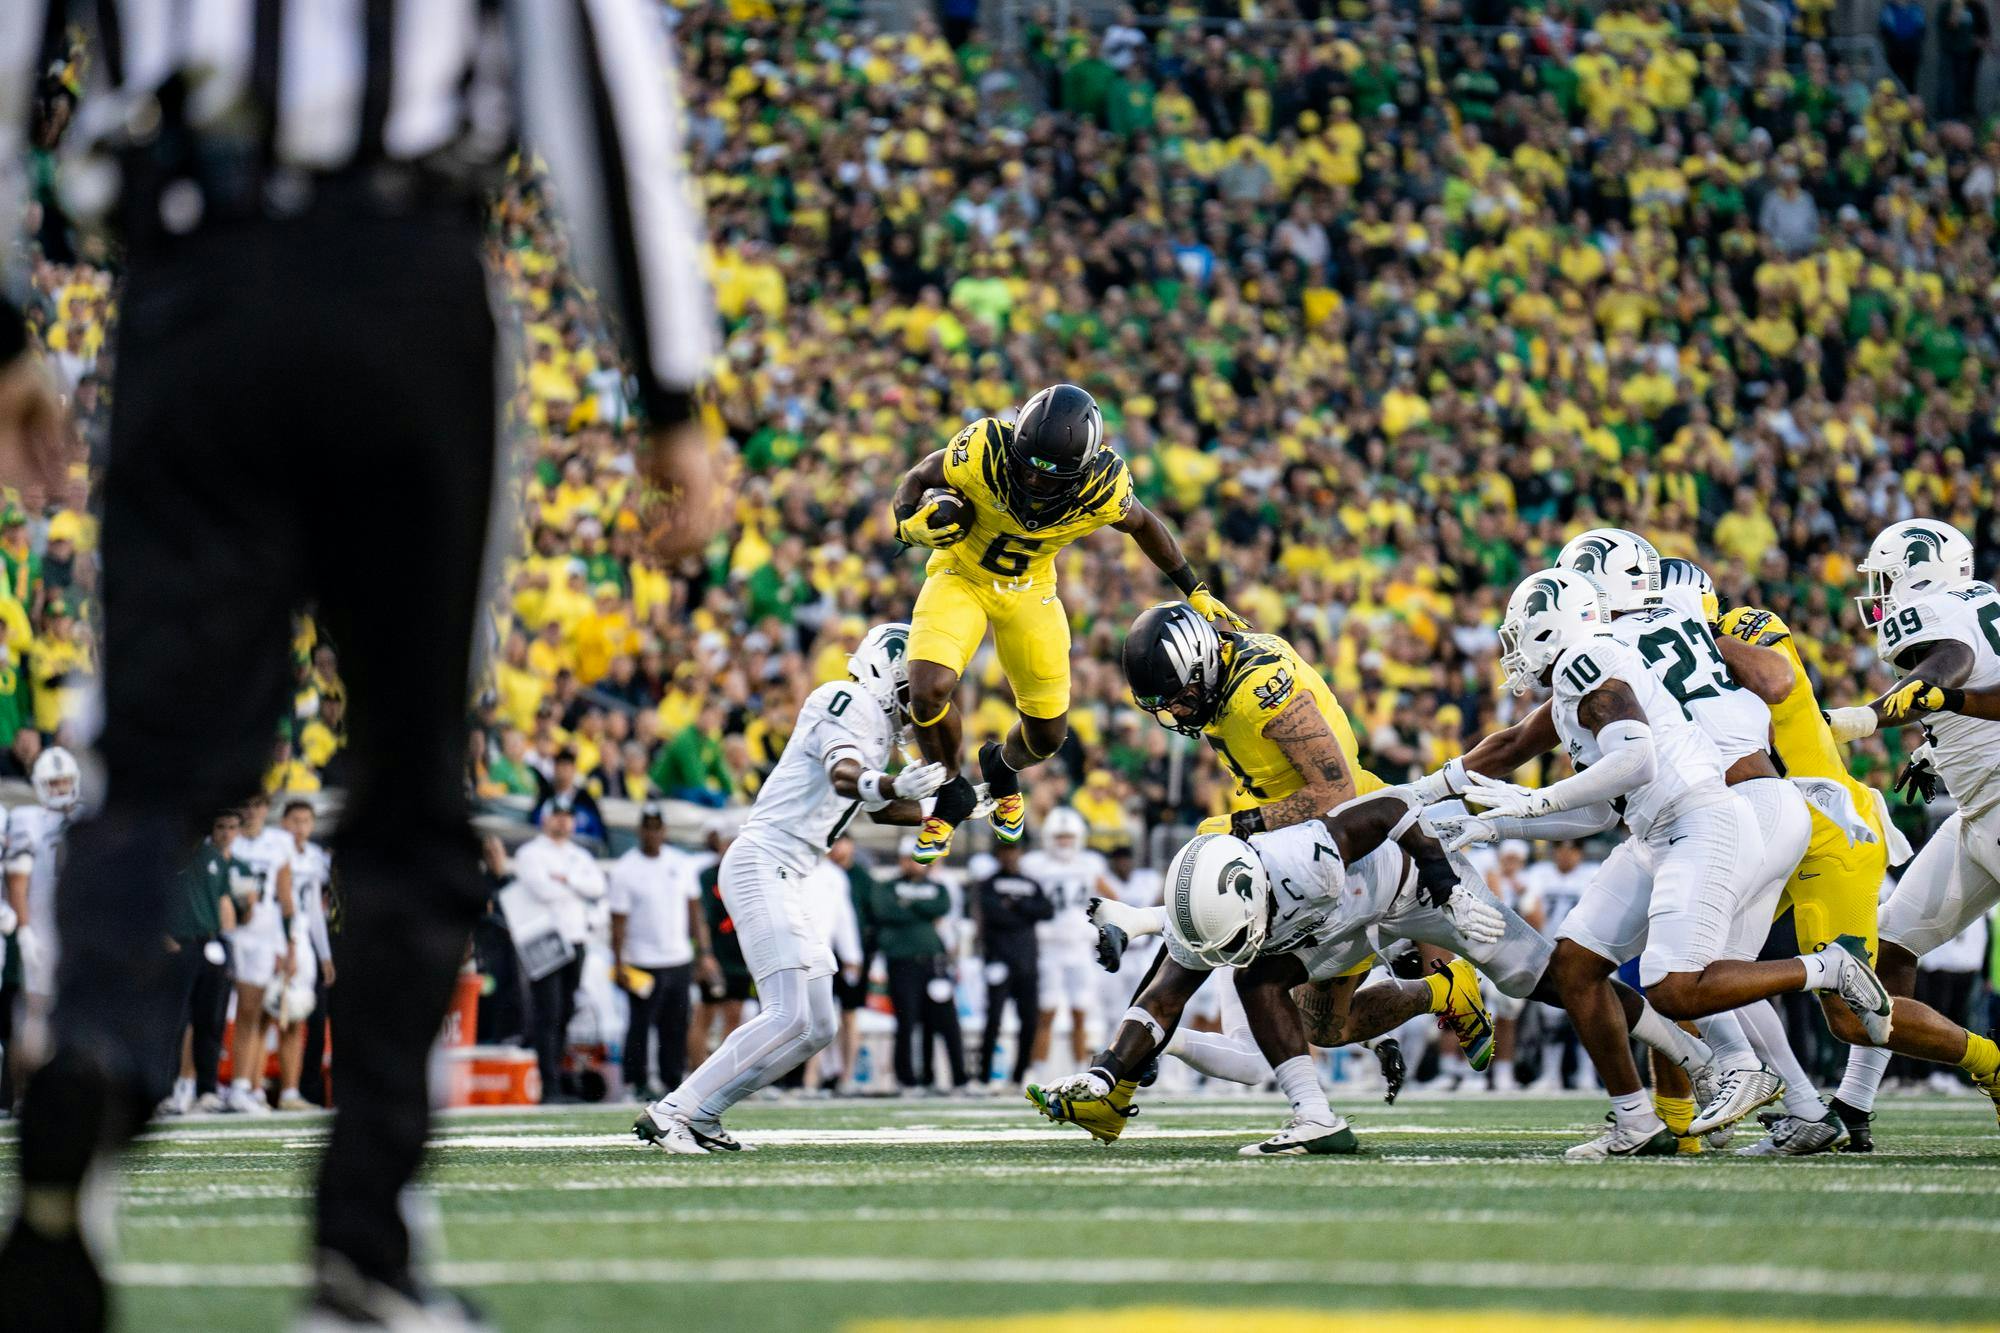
669	1132
1302	1138
1791	1136
244	1101
1863	991
1647	1139
711	1135
1707	1087
1738	1092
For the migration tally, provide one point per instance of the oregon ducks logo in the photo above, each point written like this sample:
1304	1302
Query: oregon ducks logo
1275	690
1924	546
1591	553
1542	595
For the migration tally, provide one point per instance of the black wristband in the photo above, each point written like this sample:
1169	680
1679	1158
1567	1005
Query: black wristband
1108	1067
1243	823
1184	579
1954	698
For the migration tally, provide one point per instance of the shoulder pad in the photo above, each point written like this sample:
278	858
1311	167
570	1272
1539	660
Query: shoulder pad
1762	628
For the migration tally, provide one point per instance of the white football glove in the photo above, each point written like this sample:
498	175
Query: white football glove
919	781
1475	916
982	801
1455	832
1506	800
1852	724
1442	785
1089	1086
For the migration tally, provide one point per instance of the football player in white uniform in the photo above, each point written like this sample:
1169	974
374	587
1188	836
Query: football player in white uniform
289	996
1673	894
1305	903
847	733
1071	875
260	950
34	849
1940	626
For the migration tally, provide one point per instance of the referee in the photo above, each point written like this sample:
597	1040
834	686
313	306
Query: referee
306	361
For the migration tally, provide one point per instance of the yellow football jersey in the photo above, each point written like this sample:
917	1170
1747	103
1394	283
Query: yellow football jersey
1011	544
1260	675
1804	743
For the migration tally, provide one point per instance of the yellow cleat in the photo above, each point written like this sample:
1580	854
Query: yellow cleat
1009	817
933	841
1102	1117
1465	1013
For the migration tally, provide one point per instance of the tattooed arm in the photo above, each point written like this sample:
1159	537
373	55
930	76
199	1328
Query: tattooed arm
1302	734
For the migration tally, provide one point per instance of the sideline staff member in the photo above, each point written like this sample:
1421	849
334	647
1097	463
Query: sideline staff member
300	190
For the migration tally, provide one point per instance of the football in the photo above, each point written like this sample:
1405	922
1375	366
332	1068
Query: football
953	507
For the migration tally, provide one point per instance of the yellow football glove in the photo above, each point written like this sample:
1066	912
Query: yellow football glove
1913	699
924	528
1212	609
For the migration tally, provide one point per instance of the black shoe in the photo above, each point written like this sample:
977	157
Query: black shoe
1000	779
1389	1052
50	1284
345	1299
1151	1073
1860	1138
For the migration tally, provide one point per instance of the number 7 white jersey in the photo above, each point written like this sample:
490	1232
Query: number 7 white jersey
1687	761
1682	655
798	814
1967	748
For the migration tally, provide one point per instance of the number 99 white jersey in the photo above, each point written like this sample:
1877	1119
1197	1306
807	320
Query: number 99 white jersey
1686	759
1967	749
1682	655
798	814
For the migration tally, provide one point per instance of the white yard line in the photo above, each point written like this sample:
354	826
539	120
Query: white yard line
767	1270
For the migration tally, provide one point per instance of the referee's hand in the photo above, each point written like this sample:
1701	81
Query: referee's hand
689	498
31	426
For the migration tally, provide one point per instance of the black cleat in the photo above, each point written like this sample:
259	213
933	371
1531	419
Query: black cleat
1389	1052
1151	1073
1860	1138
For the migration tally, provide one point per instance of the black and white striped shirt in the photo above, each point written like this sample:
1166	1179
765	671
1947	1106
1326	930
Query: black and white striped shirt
320	87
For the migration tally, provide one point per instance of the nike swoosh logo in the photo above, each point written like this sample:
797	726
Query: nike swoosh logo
1050	598
1672	841
1809	874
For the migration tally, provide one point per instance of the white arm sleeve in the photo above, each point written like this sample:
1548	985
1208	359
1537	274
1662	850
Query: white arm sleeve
1628	764
1562	825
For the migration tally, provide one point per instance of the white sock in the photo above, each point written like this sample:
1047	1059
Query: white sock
1767	1035
1670	1039
1300	1082
1633	1108
1218	1056
1823	968
239	1085
1503	1073
1731	1044
183	1089
1865	1067
288	1092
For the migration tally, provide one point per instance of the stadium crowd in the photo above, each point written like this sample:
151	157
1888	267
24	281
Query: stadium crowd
1380	307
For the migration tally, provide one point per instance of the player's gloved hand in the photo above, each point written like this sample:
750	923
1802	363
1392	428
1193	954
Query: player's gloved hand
982	801
1851	724
926	527
1455	832
1442	785
1917	697
1919	780
1475	915
1212	609
1505	800
1089	1086
919	781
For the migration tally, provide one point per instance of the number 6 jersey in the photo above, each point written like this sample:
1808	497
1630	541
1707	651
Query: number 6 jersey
798	814
1012	545
1686	760
1967	749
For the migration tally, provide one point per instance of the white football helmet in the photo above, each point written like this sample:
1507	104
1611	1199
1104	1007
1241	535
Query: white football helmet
1623	563
881	665
1900	548
288	999
1549	612
1064	832
57	779
1218	900
1687	588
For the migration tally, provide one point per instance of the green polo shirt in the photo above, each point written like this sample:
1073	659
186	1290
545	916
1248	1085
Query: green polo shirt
199	889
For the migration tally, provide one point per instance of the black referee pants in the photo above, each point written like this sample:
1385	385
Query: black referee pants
1017	966
304	415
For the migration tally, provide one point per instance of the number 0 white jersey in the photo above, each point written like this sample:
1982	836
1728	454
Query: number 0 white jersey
1071	882
1683	657
798	814
1967	748
1688	762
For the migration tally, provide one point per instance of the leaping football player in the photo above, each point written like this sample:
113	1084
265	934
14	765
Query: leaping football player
995	506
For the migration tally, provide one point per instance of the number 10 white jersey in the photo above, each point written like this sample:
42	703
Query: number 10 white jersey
798	814
1683	657
1967	748
1686	760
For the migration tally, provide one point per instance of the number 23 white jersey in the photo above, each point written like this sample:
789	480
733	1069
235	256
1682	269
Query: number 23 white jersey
798	814
1686	759
1683	657
1967	748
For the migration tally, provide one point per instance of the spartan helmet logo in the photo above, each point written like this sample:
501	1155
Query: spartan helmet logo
894	645
1236	877
1541	597
1590	555
1924	546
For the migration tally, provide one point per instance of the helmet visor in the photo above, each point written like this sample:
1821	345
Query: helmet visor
1185	712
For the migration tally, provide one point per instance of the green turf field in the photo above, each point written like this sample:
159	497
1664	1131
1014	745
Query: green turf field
910	1211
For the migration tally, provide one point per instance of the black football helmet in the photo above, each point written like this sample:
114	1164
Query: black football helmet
1173	663
1056	438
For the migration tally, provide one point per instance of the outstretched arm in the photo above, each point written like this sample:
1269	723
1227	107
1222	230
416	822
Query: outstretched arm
1496	755
1611	712
1154	1014
1145	527
1946	663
